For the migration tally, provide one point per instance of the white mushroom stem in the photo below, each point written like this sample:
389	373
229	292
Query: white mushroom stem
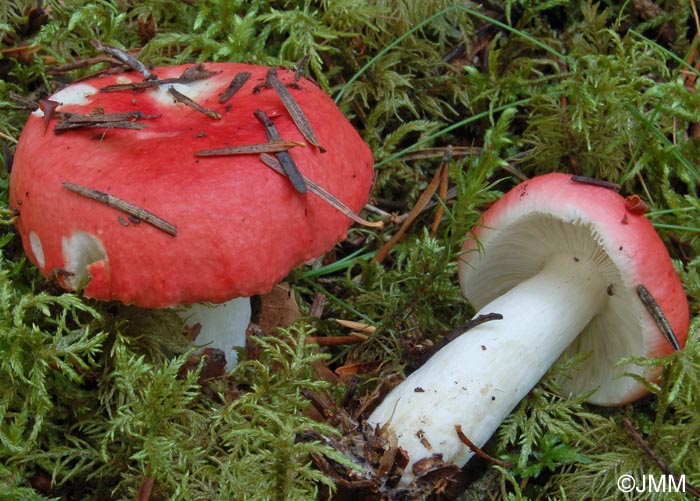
222	326
477	379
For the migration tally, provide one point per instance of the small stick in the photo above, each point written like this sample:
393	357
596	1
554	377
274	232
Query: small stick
122	205
440	152
474	322
318	305
187	101
82	63
8	138
48	107
285	159
596	182
146	487
451	193
71	121
333	340
237	82
189	75
455	333
92	118
293	108
301	67
350	392
125	58
655	311
124	124
637	437
247	149
442	190
465	440
358	326
22	103
321	192
423	200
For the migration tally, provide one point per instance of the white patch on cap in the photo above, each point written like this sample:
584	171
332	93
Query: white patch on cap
194	90
77	94
149	134
37	249
79	252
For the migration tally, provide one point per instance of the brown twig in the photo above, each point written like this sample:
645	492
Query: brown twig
146	486
424	153
334	340
358	326
637	437
191	103
417	209
22	103
596	182
301	67
239	79
293	108
451	194
455	333
122	205
658	315
83	63
248	149
8	138
72	121
48	107
442	191
189	75
465	440
62	127
321	192
284	158
125	58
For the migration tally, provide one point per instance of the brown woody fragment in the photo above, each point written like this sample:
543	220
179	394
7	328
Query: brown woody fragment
192	74
658	315
125	58
284	158
596	182
465	440
191	103
124	206
293	108
98	119
247	149
239	79
318	190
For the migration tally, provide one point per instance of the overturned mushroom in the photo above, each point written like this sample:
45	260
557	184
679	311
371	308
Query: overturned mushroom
562	262
232	227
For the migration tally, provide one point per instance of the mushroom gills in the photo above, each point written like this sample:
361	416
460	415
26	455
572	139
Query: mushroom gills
80	250
521	250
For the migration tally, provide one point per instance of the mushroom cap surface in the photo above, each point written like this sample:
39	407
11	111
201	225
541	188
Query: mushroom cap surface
241	227
552	214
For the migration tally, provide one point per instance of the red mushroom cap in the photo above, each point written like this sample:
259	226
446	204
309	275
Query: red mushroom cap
551	214
241	227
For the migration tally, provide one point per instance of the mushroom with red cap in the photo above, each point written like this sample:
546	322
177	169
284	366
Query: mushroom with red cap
562	262
176	227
